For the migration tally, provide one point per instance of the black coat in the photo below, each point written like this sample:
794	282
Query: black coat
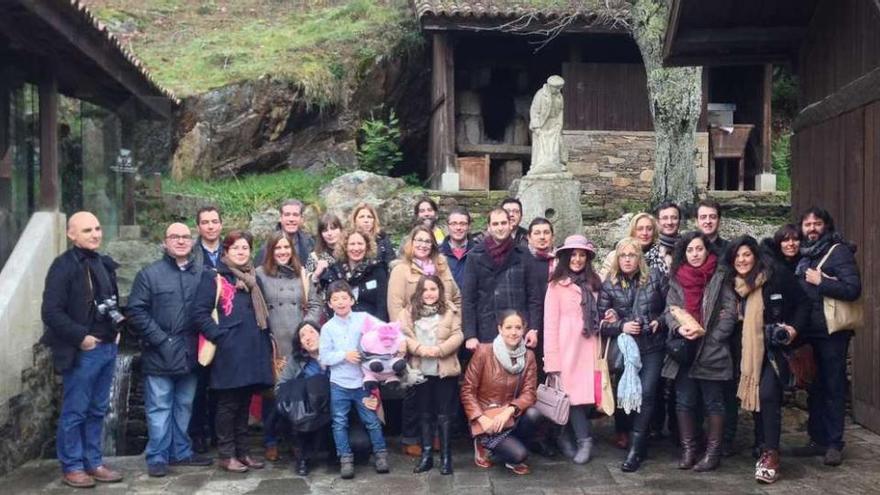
68	310
630	301
159	311
841	265
487	290
244	351
713	360
385	250
539	275
370	286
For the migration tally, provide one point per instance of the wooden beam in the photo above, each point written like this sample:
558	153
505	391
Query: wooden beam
742	36
50	180
490	25
767	119
671	27
102	52
439	131
449	163
860	92
720	58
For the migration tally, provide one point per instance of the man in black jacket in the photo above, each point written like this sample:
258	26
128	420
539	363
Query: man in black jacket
837	278
80	315
158	308
291	223
496	278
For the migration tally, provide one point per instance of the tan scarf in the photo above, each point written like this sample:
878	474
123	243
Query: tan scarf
247	281
752	342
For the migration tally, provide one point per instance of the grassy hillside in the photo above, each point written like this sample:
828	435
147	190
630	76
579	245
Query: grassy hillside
191	46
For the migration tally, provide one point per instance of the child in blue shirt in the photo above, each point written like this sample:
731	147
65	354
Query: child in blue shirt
338	351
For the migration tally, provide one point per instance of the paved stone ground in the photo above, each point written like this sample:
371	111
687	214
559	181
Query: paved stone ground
859	474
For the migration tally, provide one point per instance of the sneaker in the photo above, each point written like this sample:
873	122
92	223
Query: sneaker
767	468
481	455
380	462
346	467
519	469
157	470
193	460
833	457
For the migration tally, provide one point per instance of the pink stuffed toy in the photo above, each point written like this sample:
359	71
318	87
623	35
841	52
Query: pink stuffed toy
382	350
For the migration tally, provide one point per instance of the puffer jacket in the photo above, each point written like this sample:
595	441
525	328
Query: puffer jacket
840	280
487	384
159	312
630	300
713	360
369	283
449	339
488	289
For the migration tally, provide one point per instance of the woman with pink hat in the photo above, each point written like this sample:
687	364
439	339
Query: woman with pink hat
571	329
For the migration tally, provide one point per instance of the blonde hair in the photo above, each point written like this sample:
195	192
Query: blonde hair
340	254
377	228
614	270
635	221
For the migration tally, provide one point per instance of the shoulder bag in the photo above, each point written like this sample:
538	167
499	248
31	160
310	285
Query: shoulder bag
841	315
604	390
552	401
208	349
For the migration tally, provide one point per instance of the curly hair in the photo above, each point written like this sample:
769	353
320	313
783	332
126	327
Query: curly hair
340	254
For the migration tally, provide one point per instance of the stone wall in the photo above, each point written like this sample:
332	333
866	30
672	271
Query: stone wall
26	380
618	166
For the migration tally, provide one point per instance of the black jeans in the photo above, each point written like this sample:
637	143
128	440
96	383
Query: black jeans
512	450
409	418
649	376
689	390
731	402
231	421
204	408
827	395
436	396
768	422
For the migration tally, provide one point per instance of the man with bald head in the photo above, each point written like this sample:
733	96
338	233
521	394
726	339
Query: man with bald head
159	310
81	318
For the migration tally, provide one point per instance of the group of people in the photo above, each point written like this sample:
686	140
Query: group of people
690	327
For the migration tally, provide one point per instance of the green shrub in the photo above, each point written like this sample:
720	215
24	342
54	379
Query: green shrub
780	156
379	150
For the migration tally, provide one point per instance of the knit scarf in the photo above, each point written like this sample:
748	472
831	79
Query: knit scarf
541	254
246	280
589	311
752	342
427	266
815	250
668	241
358	270
498	251
428	310
514	361
693	281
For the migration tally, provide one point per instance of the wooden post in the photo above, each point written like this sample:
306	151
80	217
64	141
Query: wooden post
767	120
50	181
441	144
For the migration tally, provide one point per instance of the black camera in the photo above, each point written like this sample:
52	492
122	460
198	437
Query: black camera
109	308
644	323
776	335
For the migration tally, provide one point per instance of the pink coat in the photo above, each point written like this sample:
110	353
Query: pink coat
566	350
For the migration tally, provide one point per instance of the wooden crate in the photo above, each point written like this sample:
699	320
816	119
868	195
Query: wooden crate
473	173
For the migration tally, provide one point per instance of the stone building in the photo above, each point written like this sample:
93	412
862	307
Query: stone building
484	73
74	104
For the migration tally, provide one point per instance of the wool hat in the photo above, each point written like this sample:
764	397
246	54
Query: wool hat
577	241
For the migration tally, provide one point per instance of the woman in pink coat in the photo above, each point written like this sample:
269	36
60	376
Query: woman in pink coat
571	339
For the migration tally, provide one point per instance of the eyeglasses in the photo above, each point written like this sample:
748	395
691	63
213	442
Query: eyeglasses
175	238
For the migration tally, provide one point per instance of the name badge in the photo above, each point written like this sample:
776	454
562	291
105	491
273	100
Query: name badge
371	284
775	297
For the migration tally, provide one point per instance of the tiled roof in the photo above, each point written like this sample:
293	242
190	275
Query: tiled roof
80	9
486	9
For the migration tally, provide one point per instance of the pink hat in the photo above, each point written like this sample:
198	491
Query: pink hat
577	241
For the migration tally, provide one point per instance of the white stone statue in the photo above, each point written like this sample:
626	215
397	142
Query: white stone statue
546	125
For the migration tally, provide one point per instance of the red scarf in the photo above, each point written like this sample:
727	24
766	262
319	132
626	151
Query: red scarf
693	281
498	251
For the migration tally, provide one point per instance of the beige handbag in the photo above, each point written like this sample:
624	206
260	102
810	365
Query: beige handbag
605	389
207	349
841	315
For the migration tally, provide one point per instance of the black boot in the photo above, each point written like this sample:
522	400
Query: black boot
636	453
426	461
712	458
687	430
444	424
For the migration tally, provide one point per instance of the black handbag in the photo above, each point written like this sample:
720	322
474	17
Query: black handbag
681	350
305	402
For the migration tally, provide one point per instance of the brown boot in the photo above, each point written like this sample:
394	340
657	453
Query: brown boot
251	463
104	474
767	469
78	479
712	458
271	453
233	465
688	435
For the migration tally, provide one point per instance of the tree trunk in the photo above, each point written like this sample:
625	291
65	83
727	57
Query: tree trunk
675	100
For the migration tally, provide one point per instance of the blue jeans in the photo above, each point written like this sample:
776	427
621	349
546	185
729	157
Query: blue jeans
85	402
168	401
341	400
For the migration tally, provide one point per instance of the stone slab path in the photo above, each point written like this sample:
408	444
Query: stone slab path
859	474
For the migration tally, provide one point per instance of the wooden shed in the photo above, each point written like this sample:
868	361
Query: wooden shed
485	71
834	47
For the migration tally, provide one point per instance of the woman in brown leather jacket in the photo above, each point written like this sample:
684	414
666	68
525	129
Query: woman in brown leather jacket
497	394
